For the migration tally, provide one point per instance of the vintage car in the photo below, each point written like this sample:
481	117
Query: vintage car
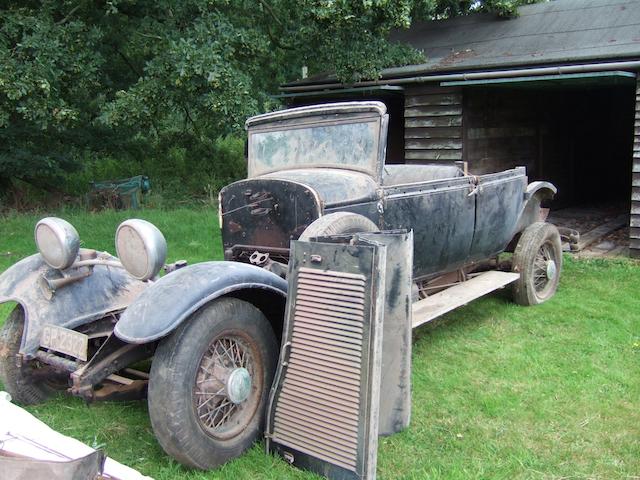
86	321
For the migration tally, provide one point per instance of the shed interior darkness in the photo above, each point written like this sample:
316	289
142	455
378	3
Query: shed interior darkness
578	137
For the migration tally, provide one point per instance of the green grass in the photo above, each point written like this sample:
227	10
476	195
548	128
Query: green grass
499	391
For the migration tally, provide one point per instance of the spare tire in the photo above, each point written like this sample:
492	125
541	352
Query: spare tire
338	223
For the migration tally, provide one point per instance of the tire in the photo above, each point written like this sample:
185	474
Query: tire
338	223
20	381
538	259
202	356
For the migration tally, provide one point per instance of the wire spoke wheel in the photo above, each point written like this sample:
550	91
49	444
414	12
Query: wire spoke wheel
538	259
224	390
545	269
209	383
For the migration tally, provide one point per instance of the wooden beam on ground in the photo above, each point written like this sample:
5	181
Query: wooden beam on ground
597	233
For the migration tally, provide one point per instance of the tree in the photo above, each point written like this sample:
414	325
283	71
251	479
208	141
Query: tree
125	78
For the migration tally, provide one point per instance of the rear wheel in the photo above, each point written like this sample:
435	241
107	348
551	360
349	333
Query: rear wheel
28	383
538	259
338	223
210	381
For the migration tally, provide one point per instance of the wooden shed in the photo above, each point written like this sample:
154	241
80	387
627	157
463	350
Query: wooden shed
554	89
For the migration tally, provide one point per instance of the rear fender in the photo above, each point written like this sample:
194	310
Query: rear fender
107	289
536	193
171	300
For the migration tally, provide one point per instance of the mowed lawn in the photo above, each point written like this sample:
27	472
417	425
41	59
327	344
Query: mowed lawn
499	391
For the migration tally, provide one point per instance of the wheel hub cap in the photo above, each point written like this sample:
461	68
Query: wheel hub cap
552	270
238	385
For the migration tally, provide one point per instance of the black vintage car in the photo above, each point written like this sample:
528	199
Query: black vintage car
212	329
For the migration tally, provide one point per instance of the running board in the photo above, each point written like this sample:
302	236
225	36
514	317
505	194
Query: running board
432	307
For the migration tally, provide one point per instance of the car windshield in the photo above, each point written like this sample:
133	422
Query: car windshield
350	145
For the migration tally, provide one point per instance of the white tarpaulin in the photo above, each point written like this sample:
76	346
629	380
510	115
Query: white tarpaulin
22	436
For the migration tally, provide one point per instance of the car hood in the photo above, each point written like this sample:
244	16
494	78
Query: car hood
333	186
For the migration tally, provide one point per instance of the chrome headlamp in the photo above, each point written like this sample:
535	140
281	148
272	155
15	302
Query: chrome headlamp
58	242
141	248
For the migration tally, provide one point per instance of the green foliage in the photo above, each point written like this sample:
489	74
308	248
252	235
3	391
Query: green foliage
178	169
86	87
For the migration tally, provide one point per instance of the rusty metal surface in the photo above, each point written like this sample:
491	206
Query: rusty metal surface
106	290
323	413
170	300
266	212
113	356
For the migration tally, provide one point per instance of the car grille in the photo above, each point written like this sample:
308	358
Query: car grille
318	407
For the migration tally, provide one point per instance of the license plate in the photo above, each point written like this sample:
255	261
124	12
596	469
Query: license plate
65	341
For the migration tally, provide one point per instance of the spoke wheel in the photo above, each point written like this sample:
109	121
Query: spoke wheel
538	259
225	392
209	383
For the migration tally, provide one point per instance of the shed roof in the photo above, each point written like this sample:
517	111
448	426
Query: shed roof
552	33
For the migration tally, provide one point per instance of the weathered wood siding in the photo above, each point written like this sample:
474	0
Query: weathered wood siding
502	130
432	125
634	240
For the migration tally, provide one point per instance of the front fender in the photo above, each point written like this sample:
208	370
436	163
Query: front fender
106	290
173	298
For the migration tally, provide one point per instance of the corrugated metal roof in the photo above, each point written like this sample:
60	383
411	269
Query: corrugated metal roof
550	33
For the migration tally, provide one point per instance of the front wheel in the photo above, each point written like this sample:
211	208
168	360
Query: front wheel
538	259
210	382
27	383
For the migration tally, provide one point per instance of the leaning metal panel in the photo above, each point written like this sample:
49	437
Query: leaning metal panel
323	413
395	404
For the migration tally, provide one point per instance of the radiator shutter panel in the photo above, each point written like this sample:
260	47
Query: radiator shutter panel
324	406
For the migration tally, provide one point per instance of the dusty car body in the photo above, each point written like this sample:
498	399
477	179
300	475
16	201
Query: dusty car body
86	318
457	219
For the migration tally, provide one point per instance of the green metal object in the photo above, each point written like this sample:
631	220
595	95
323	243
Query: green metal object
124	193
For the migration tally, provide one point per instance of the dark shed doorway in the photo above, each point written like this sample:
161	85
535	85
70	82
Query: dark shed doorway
575	132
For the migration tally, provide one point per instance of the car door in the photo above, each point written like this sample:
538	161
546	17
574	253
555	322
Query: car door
441	214
499	198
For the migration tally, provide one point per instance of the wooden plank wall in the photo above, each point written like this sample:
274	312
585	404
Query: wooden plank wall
503	129
432	125
634	234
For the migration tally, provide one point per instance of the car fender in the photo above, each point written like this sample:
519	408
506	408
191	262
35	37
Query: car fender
107	289
168	302
535	194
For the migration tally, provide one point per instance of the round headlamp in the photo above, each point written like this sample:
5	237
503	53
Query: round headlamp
58	242
141	248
